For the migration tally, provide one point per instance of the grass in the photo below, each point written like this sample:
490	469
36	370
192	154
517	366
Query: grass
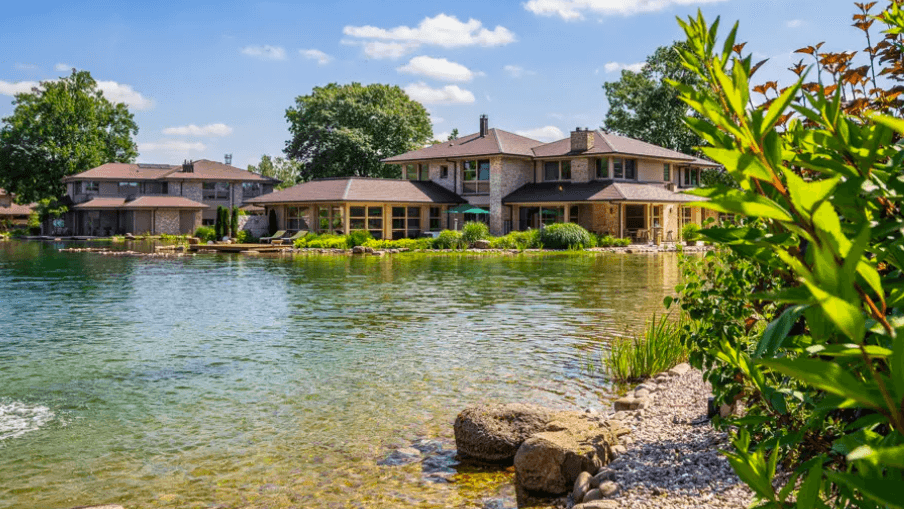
636	359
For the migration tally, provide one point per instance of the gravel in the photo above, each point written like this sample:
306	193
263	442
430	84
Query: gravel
674	460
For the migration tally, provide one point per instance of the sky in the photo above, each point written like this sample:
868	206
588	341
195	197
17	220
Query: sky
205	79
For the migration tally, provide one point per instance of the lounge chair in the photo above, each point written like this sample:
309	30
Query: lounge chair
277	235
299	234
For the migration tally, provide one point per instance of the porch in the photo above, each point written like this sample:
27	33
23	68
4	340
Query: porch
383	220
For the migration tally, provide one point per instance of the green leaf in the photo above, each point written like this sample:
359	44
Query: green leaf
884	456
779	105
736	161
847	317
735	201
884	491
848	350
896	367
827	376
809	490
777	330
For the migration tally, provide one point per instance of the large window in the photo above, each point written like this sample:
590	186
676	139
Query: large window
417	172
90	187
251	189
128	187
436	219
624	168
476	177
406	222
156	187
687	215
691	177
366	218
329	219
297	218
635	217
215	190
557	170
602	168
667	172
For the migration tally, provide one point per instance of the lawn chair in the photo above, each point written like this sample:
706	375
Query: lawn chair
291	240
277	235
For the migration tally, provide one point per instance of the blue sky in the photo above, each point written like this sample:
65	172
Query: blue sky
209	78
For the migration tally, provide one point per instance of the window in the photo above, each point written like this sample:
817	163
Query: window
156	187
417	172
574	214
667	172
128	187
297	218
330	219
366	218
215	190
624	168
657	216
602	168
424	173
687	215
443	172
557	170
90	187
436	219
406	222
251	189
691	176
476	177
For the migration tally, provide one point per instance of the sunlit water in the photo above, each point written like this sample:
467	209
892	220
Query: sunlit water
233	381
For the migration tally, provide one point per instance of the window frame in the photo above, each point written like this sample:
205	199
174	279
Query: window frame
90	186
444	172
563	168
622	167
366	220
410	225
124	187
218	187
666	172
298	221
480	185
600	172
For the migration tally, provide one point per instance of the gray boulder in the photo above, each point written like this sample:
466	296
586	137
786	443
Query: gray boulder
493	433
481	244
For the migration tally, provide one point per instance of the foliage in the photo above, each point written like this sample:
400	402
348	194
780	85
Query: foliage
358	238
690	232
245	237
206	233
287	171
272	222
803	320
345	130
636	359
610	241
61	128
220	224
234	222
472	231
529	239
325	241
421	243
448	239
643	106
564	236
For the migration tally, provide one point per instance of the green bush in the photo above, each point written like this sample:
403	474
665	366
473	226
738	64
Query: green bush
472	231
448	239
564	236
234	222
245	237
206	233
325	241
610	241
690	232
358	238
660	348
529	239
422	243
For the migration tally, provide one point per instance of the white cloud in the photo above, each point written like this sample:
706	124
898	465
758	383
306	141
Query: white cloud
25	66
516	71
442	30
113	91
438	68
443	136
315	54
62	67
437	120
548	133
449	94
265	52
575	9
193	130
171	150
616	66
794	23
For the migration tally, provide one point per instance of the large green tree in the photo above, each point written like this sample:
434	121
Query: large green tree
289	172
61	128
643	106
344	130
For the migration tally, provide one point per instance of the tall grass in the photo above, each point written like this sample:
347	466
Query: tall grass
659	349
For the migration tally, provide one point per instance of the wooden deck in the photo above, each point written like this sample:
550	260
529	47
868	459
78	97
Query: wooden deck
236	248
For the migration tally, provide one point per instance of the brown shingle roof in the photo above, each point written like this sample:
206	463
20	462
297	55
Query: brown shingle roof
203	170
142	202
608	143
496	142
212	170
14	209
598	190
360	189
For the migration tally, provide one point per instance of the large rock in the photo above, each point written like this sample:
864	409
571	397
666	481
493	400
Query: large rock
552	460
493	433
481	244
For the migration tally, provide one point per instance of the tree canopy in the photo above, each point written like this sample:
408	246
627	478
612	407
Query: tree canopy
345	130
286	170
644	106
61	128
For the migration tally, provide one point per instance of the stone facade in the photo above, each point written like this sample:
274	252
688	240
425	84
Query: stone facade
580	170
506	175
166	221
604	218
257	226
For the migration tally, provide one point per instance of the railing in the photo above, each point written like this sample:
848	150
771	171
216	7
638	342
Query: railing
475	187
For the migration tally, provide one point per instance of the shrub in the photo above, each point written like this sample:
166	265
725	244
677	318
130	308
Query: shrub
660	348
245	237
358	238
564	236
448	239
206	233
472	231
422	243
690	232
234	222
325	241
528	239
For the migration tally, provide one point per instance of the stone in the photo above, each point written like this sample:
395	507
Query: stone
581	485
377	253
680	369
402	456
598	504
108	506
369	250
602	476
648	386
493	433
481	244
358	250
609	489
551	461
594	494
626	403
618	451
641	393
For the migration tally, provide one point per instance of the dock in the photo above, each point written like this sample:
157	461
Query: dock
238	248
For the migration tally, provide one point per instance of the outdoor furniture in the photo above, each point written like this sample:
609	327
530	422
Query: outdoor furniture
277	235
299	234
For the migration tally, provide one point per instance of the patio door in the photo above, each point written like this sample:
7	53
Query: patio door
635	217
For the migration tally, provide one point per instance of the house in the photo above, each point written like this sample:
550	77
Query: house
117	198
607	183
13	215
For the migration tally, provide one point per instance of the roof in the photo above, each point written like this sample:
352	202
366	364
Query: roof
496	142
597	190
142	202
361	189
608	143
15	209
203	170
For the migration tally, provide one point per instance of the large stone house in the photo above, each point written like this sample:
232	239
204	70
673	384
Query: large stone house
608	184
118	198
12	214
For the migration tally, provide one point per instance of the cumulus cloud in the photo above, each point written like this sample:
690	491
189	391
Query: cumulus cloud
265	52
575	9
113	91
449	94
315	54
516	71
193	130
62	67
794	23
442	30
443	136
616	66
547	133
438	68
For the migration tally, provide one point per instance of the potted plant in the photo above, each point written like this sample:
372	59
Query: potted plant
690	233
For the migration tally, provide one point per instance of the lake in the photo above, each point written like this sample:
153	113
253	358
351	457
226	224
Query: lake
234	381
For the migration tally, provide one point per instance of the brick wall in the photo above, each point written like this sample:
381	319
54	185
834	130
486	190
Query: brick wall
581	170
506	175
166	221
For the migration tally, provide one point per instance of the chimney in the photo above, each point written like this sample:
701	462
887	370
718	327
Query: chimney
581	139
484	126
228	159
188	166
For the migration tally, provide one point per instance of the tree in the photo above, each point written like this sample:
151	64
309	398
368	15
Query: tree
286	170
234	222
345	130
453	135
61	128
643	106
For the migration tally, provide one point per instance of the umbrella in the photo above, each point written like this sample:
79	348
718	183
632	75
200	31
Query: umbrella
467	209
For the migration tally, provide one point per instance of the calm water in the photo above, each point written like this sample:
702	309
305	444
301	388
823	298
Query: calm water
231	381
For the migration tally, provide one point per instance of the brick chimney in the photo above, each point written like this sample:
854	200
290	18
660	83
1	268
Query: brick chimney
484	125
581	139
188	166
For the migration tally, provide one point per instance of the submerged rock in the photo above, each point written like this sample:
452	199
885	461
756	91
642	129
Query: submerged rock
493	433
400	457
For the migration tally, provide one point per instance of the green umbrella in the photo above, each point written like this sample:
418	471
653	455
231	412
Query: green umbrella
467	208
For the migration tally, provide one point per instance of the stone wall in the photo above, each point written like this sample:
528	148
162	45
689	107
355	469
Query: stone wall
506	175
257	226
192	191
166	221
604	218
581	170
436	172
